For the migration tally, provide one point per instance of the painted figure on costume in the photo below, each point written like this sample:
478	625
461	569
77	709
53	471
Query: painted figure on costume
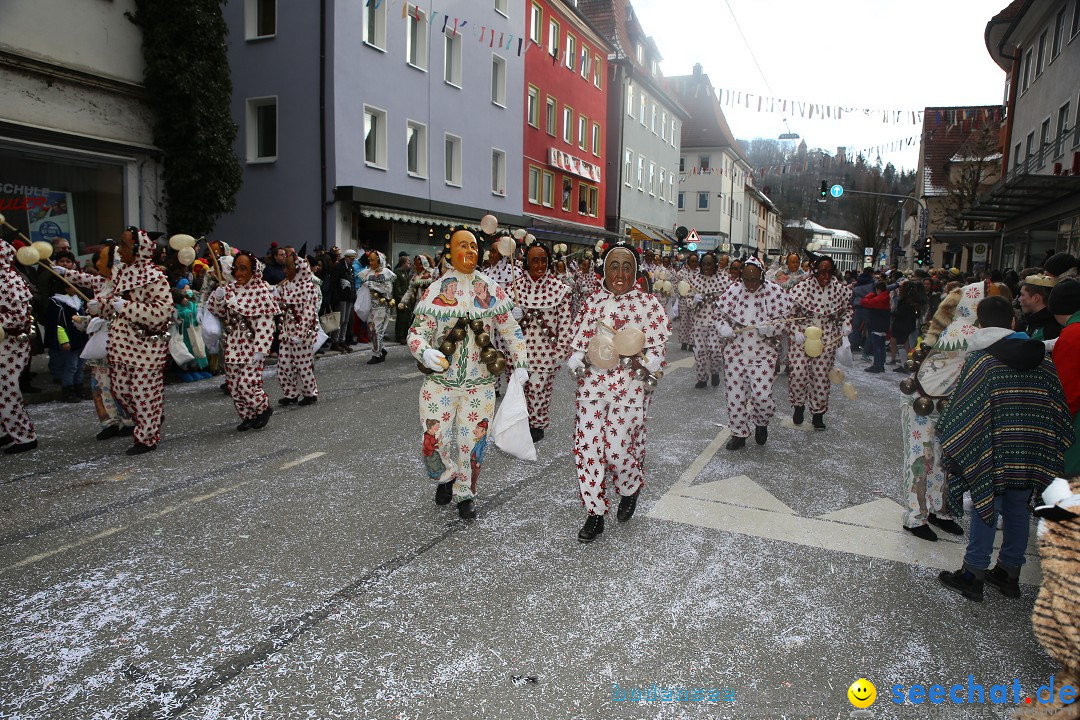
447	290
432	460
481	297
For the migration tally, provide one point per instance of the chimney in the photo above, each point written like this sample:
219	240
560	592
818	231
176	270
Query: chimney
697	69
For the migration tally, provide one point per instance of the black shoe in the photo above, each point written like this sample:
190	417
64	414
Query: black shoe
761	434
376	359
444	493
923	532
138	449
715	379
245	425
264	417
225	388
287	401
799	414
700	385
819	421
683	346
109	431
537	434
999	579
874	369
6	439
20	447
594	525
384	353
627	505
309	400
899	369
126	431
68	395
947	525
963	582
735	443
465	510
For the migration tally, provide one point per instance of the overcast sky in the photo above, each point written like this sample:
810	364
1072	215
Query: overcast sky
878	54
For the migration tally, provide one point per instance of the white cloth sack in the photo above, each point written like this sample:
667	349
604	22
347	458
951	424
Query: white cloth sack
195	338
97	344
675	309
178	349
362	306
320	338
843	353
511	426
211	329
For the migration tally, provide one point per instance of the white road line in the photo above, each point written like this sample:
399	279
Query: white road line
702	460
301	461
64	548
684	363
412	375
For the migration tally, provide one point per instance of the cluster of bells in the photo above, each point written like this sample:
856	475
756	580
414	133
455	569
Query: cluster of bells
533	316
923	405
623	348
492	358
19	338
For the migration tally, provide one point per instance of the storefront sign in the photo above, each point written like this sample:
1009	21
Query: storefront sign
568	163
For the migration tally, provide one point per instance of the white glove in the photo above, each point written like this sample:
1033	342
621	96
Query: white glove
521	375
257	358
517	313
94	307
800	337
220	293
59	270
697	299
653	363
724	329
434	360
576	361
118	304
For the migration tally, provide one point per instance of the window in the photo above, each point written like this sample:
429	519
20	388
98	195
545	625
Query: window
641	108
452	146
671	188
416	38
568	125
1076	21
1059	32
673	135
583	199
567	193
582	131
628	166
452	58
262	129
1016	155
549	190
681	200
597	72
501	8
416	149
536	24
534	185
663	184
640	172
375	137
1027	71
596	139
652	178
586	63
1030	146
594	201
375	24
498	172
552	117
640	54
663	126
1063	128
571	50
630	99
1040	59
553	38
703	201
703	162
652	117
498	80
1044	141
682	164
532	107
260	19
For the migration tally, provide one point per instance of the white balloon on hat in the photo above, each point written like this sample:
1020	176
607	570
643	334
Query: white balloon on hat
181	240
186	255
44	249
489	224
519	234
28	255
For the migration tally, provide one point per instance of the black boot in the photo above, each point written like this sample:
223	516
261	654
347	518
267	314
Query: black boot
735	443
819	421
138	449
594	525
245	425
20	447
715	379
5	440
798	415
376	359
126	431
309	400
963	581
465	509
627	505
537	434
109	431
949	526
683	346
761	434
700	385
923	532
1004	579
287	401
444	493
264	417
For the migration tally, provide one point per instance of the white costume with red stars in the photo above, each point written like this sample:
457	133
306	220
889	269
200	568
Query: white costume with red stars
708	354
609	436
828	308
458	404
15	298
750	355
299	299
546	327
247	314
586	282
686	310
138	341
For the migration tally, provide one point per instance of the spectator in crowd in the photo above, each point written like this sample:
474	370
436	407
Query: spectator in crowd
864	285
66	340
1061	266
906	315
876	310
402	275
1065	306
342	282
1038	321
275	265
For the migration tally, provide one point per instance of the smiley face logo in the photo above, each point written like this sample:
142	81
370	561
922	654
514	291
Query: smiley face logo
862	693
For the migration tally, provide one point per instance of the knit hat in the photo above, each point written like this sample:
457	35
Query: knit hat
1059	263
1065	298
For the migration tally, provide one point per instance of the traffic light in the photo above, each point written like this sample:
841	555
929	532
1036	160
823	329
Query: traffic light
824	189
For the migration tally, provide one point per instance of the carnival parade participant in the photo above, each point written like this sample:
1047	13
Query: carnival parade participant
751	321
622	332
113	418
789	274
451	337
545	323
299	301
141	309
423	275
706	289
247	308
826	303
689	273
586	282
16	325
380	282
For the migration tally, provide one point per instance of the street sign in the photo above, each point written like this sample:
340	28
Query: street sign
692	240
692	247
836	190
868	252
979	252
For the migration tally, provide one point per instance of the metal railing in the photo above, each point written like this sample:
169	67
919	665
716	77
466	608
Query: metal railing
1067	139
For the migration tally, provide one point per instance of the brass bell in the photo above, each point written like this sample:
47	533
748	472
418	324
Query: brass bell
639	372
457	334
448	348
923	406
942	404
488	355
477	326
497	367
483	339
918	354
650	382
907	386
911	365
626	361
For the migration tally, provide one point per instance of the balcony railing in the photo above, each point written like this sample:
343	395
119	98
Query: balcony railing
1067	139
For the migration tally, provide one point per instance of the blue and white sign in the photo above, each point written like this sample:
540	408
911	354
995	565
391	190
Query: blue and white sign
836	190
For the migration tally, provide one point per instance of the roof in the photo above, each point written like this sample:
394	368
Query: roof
707	126
998	30
811	226
945	137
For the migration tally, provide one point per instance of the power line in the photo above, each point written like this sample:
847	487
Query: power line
753	56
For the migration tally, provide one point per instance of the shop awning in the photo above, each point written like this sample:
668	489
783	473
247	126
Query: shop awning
644	233
1020	193
413	217
567	231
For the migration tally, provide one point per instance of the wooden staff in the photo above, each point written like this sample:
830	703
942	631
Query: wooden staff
44	262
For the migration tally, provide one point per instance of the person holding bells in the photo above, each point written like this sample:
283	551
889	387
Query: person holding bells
451	339
705	289
379	280
619	348
752	314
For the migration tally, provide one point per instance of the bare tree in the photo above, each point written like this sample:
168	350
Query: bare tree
974	168
873	216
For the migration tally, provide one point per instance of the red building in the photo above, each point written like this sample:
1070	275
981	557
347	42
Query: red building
565	124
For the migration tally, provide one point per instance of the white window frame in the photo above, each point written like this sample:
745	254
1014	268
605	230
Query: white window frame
586	62
547	189
628	167
641	173
582	131
452	45
598	71
498	80
571	50
532	106
652	179
554	28
532	187
652	117
452	170
380	161
642	104
671	188
536	27
663	125
673	131
682	200
501	7
498	172
703	167
551	116
1040	57
375	24
630	99
1059	33
568	125
593	203
416	25
663	184
702	196
253	131
567	196
596	139
420	130
251	19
